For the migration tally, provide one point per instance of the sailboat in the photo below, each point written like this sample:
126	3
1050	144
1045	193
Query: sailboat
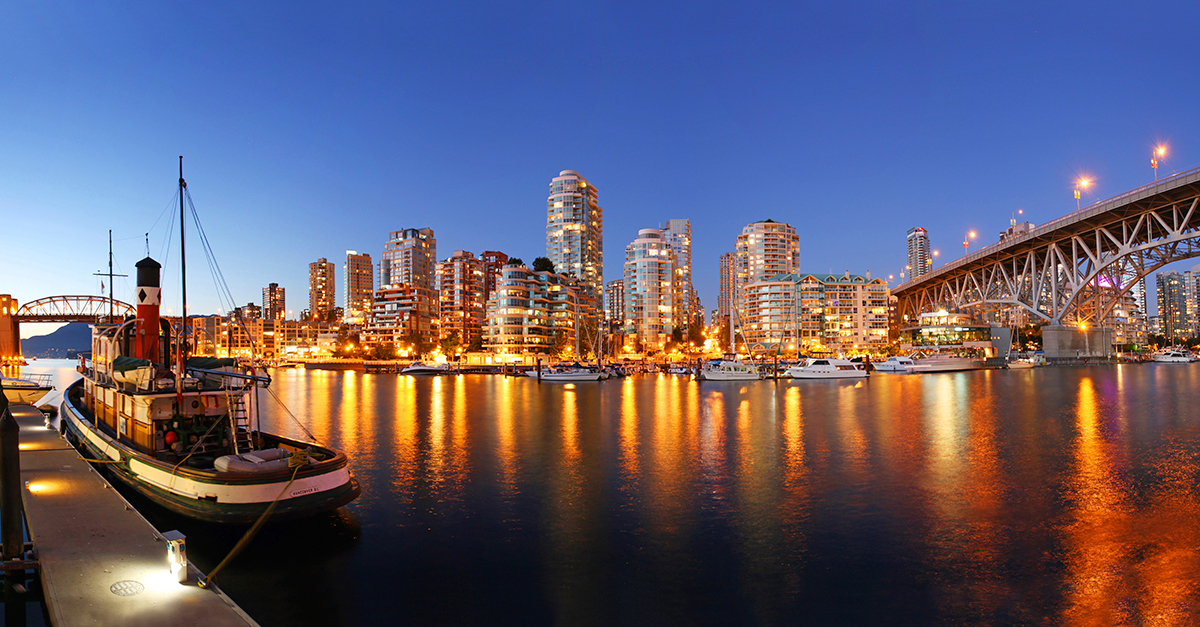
184	432
572	372
729	367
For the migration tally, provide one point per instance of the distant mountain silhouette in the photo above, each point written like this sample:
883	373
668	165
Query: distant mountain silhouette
65	343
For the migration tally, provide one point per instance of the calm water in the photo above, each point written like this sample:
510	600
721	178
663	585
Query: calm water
1048	496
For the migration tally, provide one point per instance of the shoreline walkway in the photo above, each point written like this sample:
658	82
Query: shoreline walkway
101	562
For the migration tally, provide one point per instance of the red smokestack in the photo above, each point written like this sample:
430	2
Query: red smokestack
148	300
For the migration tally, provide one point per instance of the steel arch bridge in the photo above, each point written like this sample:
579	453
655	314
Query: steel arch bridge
73	309
1075	268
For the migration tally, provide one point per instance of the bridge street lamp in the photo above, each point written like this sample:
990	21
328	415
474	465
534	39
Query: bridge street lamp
970	236
1159	153
1084	184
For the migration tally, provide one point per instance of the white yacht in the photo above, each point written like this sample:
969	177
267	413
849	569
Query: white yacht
893	364
828	368
1173	356
420	367
729	369
26	389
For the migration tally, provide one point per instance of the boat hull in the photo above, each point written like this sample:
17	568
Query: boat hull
952	364
837	374
239	498
26	396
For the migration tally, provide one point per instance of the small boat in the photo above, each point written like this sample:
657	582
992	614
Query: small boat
1173	356
27	389
828	368
419	367
184	432
729	369
577	372
1019	364
679	369
893	364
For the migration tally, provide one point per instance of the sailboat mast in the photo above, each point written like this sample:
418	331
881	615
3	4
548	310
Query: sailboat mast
110	276
182	348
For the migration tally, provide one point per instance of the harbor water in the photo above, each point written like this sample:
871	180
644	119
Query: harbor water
1047	496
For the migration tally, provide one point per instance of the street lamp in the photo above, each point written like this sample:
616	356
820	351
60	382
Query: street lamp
1159	153
1084	184
966	242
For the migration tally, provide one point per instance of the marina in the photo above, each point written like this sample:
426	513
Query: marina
1002	494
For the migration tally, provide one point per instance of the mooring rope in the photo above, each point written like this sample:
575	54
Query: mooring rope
298	459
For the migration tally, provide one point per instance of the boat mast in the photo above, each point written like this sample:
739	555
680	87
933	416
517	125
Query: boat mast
181	348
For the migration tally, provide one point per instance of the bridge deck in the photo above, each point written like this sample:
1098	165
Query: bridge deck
91	544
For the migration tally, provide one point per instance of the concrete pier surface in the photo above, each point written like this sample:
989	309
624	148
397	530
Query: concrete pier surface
101	562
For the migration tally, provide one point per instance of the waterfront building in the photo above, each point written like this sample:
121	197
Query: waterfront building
539	312
614	301
260	338
650	290
919	260
575	230
274	303
678	234
724	290
402	319
358	277
322	290
493	262
768	320
409	256
1172	305
459	288
764	249
816	314
405	302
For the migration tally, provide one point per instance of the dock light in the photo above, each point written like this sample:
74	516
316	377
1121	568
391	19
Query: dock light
177	554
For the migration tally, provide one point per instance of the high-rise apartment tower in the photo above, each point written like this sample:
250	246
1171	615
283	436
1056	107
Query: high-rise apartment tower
919	261
359	281
322	289
575	230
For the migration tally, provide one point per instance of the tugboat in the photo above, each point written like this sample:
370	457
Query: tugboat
184	432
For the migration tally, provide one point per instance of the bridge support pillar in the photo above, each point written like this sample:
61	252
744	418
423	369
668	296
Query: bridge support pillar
10	333
1066	344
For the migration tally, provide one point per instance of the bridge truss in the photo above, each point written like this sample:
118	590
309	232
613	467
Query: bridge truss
73	309
1075	269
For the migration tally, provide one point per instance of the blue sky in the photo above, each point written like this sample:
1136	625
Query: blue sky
309	129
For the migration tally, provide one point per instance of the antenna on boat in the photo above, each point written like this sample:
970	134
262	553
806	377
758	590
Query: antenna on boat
110	276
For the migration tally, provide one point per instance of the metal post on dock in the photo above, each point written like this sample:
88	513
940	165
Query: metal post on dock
11	532
539	368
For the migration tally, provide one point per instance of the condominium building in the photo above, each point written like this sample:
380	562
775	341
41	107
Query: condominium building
725	289
919	260
650	291
678	234
614	301
408	257
273	302
764	249
405	303
575	230
816	313
459	288
401	316
1172	305
531	311
493	262
322	289
358	277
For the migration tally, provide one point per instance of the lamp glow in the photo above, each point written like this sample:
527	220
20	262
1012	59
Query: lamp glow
177	554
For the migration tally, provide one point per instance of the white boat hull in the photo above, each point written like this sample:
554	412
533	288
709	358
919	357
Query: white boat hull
946	364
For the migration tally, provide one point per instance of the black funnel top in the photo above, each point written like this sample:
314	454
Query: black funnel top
148	271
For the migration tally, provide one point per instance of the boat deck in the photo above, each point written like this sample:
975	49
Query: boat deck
101	562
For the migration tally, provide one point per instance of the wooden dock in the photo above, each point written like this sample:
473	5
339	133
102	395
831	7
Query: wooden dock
101	562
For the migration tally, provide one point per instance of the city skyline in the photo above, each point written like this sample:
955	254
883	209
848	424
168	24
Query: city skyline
334	129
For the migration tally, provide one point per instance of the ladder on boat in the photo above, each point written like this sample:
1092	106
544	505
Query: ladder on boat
239	422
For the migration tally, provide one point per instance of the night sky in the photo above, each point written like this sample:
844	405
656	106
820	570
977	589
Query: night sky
309	129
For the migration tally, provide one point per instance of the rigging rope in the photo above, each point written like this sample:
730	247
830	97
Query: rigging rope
311	437
253	530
